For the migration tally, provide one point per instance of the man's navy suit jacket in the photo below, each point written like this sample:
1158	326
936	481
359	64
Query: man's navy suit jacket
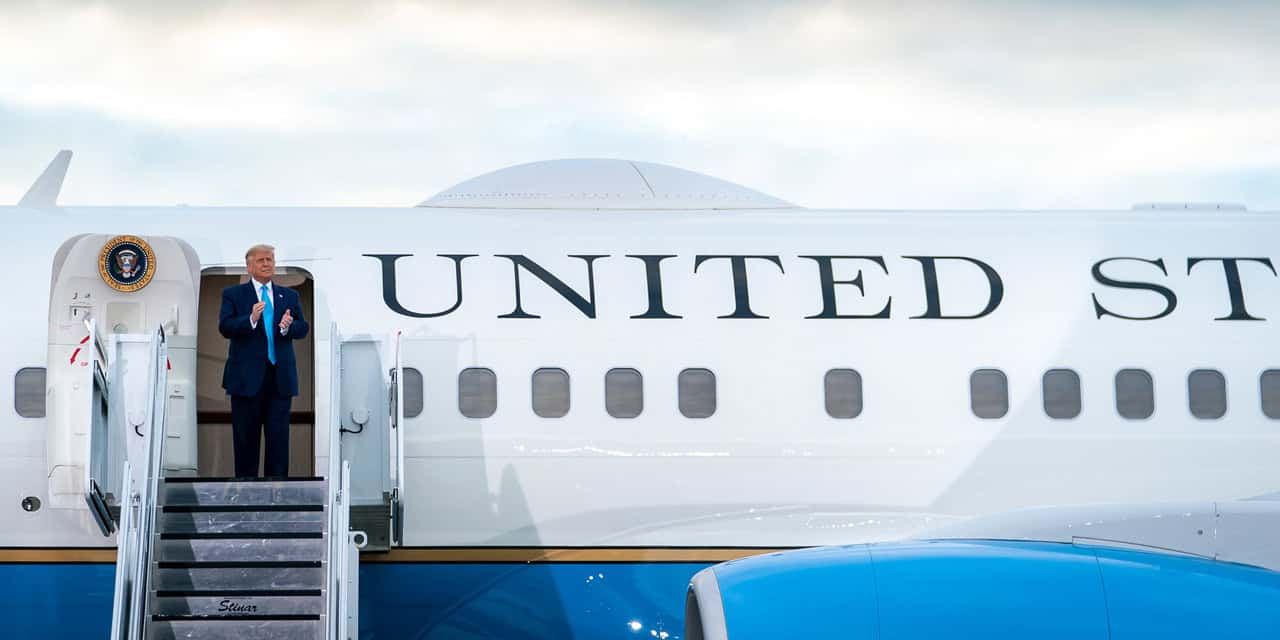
247	357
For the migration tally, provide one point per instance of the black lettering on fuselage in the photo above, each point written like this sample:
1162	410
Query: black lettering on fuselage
741	292
933	296
827	282
388	261
587	305
1235	290
1170	300
653	285
584	300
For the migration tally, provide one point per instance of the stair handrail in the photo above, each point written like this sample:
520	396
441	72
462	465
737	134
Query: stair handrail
341	559
138	513
335	500
126	548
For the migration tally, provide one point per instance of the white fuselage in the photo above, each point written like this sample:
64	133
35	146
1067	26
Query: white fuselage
770	467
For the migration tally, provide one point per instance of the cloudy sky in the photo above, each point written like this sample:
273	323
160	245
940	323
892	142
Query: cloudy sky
840	104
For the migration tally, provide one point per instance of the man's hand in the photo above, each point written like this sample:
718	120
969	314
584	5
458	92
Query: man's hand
286	320
256	314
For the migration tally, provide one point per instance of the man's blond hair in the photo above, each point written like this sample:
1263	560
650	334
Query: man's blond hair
259	248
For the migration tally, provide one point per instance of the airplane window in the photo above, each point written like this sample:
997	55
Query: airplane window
1270	387
477	393
989	393
843	392
1207	394
550	393
1135	394
412	392
697	391
1061	394
28	392
623	393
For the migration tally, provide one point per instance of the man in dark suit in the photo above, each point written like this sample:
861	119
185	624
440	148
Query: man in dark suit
261	320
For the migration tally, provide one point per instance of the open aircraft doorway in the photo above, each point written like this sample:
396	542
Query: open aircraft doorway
213	406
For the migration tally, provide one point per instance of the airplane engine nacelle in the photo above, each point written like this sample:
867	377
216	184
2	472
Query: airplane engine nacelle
981	589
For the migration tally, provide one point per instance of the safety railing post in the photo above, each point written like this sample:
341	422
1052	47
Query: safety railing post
126	548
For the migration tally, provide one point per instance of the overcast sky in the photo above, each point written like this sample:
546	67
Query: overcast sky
858	104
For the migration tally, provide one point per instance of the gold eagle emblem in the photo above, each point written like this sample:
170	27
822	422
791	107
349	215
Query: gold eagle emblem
127	263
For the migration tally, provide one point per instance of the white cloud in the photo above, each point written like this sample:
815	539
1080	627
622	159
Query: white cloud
829	104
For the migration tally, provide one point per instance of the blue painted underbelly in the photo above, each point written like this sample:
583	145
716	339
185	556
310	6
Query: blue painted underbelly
56	600
406	601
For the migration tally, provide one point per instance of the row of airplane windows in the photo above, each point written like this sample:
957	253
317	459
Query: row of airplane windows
842	391
696	393
1134	394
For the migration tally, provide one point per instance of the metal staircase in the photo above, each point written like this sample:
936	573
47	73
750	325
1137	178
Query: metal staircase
239	560
235	559
222	559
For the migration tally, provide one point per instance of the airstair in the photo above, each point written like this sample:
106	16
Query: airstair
229	559
236	559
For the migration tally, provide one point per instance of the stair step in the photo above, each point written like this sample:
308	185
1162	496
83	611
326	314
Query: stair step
244	492
247	616
225	548
240	535
178	576
236	629
237	593
243	519
181	479
235	606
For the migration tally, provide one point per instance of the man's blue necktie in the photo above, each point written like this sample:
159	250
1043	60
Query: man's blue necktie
269	318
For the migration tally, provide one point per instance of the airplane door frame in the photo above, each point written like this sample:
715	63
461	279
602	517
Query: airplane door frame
318	363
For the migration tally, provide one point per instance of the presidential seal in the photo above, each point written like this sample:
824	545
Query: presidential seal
127	263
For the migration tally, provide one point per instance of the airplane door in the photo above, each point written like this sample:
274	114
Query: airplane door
106	448
127	287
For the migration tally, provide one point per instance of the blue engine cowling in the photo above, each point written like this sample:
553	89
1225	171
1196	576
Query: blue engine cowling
981	589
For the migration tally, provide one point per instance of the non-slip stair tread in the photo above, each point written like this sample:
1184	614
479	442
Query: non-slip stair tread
193	479
243	535
220	606
232	564
240	508
247	521
240	550
245	494
236	629
247	616
234	593
238	577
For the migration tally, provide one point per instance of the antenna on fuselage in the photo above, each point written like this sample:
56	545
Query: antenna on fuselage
44	193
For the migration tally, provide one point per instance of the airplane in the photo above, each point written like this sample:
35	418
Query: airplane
551	401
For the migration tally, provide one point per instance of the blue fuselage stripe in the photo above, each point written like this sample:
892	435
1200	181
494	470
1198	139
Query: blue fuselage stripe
410	600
